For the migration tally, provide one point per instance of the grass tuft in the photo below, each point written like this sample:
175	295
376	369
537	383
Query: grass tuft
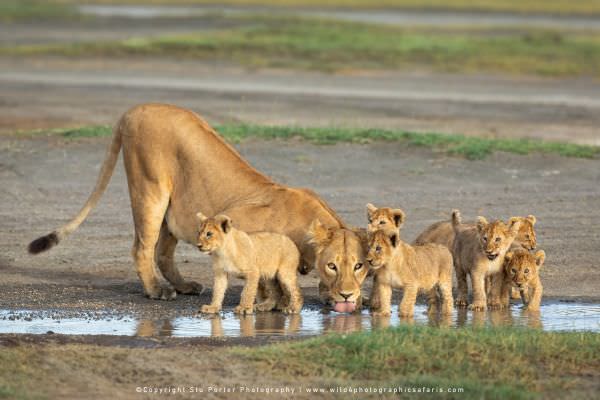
325	45
488	363
472	148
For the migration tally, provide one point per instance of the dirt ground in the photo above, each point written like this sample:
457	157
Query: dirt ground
46	179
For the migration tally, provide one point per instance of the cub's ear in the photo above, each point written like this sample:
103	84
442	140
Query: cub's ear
318	234
482	223
399	217
540	257
507	258
224	222
201	217
532	219
514	224
370	210
513	220
394	239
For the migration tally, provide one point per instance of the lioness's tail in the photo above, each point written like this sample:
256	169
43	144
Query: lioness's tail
456	219
50	240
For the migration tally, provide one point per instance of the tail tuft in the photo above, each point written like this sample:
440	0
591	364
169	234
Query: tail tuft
43	243
456	218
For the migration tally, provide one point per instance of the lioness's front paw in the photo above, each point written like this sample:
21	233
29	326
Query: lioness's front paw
210	309
244	310
478	306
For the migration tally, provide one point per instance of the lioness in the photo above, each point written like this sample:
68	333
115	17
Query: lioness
479	252
340	263
256	256
176	164
522	271
414	268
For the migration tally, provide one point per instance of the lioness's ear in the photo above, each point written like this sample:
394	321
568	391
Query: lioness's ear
394	239
540	257
399	217
201	217
318	234
481	223
532	219
370	209
224	222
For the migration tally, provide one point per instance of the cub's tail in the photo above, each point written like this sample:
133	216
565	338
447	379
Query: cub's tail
52	239
456	219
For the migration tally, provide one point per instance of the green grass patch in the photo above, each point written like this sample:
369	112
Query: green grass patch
487	363
470	147
316	44
525	6
16	10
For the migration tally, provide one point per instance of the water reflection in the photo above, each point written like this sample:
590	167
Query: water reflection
552	317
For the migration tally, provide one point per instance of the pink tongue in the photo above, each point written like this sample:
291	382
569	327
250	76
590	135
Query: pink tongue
344	307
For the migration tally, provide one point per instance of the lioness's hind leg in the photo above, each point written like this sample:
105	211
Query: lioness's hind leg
148	217
165	249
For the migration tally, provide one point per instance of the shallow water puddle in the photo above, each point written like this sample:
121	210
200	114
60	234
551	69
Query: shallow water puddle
556	316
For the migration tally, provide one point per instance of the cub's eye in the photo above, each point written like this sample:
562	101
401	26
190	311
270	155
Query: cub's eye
378	249
208	234
370	221
497	239
514	271
358	266
526	270
381	222
332	266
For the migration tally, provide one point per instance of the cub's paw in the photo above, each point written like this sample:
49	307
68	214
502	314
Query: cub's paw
210	309
244	310
381	313
290	310
190	288
478	306
165	294
495	305
264	307
461	303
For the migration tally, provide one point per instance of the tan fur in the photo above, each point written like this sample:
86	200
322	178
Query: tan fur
176	164
413	268
254	257
479	252
384	218
442	232
522	271
340	263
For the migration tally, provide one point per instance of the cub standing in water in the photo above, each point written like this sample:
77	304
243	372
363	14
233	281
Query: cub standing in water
522	271
413	268
256	257
479	252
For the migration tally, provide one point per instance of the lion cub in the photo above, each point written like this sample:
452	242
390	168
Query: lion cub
521	271
256	257
413	268
479	252
442	232
384	218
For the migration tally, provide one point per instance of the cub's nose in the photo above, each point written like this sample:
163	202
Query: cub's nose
345	295
370	261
